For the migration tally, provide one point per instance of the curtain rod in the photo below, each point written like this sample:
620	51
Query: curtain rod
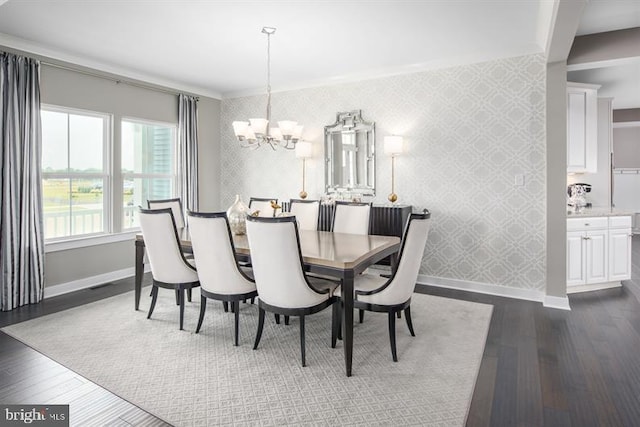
114	79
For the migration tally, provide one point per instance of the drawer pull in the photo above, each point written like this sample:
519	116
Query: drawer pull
586	238
586	224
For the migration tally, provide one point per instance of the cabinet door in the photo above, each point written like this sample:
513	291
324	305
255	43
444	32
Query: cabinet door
619	254
576	258
597	261
582	130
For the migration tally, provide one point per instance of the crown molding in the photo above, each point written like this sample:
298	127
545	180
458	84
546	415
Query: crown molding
512	52
46	52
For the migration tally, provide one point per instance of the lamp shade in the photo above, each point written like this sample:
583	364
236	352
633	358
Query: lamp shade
392	145
304	150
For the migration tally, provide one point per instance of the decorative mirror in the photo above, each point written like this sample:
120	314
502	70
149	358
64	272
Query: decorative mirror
350	160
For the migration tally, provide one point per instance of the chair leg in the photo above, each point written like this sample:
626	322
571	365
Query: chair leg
181	308
392	335
177	297
225	305
407	317
260	326
340	320
399	314
286	320
189	294
277	316
361	315
236	306
335	323
253	299
302	346
154	298
203	306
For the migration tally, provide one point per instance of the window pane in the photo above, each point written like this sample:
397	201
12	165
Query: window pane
86	135
56	195
136	192
54	142
72	207
147	148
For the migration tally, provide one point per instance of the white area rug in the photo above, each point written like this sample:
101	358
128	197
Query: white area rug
188	379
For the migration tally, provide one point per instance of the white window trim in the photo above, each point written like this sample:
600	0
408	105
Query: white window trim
87	241
106	175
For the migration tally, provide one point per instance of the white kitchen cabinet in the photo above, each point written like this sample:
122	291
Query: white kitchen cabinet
582	128
598	251
620	248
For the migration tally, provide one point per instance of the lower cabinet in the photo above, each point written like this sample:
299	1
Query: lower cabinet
598	250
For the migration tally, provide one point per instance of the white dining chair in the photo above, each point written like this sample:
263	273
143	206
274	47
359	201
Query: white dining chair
176	208
306	213
263	206
351	218
393	295
169	268
283	287
220	276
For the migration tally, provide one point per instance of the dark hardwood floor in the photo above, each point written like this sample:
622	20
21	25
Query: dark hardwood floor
541	367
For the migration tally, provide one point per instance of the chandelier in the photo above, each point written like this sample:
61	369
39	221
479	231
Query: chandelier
256	132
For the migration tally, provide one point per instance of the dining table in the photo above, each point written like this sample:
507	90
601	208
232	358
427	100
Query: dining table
338	255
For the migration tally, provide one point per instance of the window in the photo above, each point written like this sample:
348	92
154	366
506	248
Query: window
148	165
75	172
80	183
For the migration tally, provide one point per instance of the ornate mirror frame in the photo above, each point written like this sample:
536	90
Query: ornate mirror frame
350	160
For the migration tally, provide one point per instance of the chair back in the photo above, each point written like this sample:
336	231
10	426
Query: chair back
277	263
214	253
306	212
174	204
351	218
262	205
403	282
162	243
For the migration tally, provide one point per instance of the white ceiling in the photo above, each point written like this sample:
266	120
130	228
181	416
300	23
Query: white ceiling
620	82
216	48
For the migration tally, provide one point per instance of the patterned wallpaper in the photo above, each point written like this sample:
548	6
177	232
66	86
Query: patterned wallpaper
468	132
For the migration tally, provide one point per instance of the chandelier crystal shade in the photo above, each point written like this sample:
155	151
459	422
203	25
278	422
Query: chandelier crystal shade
257	132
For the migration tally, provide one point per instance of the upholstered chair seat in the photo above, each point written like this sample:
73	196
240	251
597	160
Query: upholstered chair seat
221	278
393	295
169	268
282	284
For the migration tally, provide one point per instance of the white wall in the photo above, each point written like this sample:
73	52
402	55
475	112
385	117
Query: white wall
468	130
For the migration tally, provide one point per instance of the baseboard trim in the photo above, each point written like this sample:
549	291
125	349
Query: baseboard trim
593	287
560	303
482	288
88	282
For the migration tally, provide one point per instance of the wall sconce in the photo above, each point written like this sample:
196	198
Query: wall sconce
393	147
304	150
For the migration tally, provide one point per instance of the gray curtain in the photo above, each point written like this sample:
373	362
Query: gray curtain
21	232
188	150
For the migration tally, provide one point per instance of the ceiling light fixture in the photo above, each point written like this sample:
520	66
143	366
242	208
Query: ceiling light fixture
256	132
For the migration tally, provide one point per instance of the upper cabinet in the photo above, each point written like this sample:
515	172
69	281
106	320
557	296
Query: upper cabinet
582	127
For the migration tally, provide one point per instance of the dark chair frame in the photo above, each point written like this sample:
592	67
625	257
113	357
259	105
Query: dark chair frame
391	310
300	312
234	299
178	287
263	199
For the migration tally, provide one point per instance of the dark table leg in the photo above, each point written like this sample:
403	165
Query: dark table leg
139	270
347	335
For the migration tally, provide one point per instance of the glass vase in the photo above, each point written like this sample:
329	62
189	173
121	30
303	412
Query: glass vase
237	216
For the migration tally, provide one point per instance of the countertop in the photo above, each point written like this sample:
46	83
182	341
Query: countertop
593	212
